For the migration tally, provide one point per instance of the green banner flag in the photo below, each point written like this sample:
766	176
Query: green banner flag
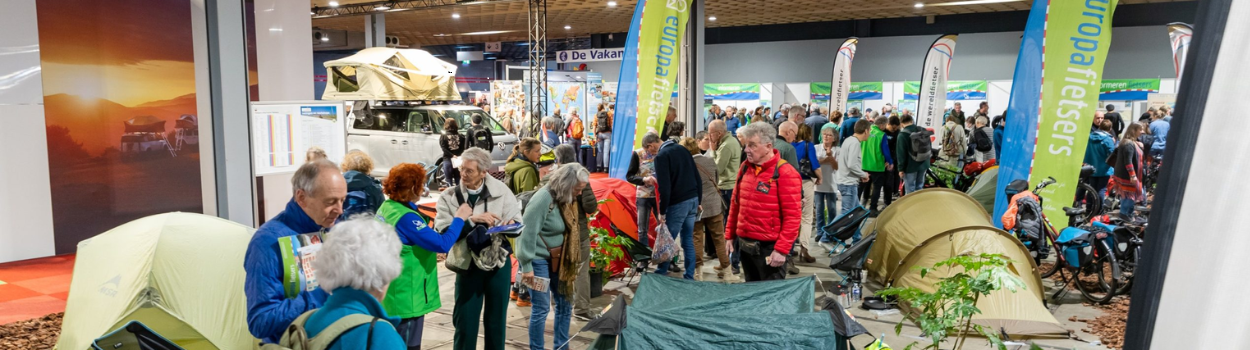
1078	34
911	88
659	52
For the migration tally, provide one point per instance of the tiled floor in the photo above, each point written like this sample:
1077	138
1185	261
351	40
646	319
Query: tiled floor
33	288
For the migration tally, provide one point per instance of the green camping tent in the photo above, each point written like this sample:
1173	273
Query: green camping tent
669	313
983	188
180	275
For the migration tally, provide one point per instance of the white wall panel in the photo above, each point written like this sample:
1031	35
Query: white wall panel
283	50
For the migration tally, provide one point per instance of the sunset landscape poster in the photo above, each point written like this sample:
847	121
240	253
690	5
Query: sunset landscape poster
120	106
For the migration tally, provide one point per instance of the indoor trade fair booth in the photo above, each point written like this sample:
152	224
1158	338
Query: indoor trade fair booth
349	174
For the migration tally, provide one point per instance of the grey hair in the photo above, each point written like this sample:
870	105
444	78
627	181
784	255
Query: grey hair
305	177
763	130
717	126
797	111
565	179
565	154
361	253
479	156
650	138
551	122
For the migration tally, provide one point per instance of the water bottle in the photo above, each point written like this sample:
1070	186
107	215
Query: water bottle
856	292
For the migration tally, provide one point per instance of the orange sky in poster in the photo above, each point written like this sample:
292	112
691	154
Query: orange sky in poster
105	62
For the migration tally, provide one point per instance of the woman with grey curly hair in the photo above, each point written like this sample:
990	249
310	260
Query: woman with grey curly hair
549	249
356	264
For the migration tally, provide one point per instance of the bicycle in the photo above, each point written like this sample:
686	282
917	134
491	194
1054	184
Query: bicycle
1129	239
1101	266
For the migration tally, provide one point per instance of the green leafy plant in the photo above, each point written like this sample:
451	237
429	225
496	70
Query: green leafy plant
605	248
949	309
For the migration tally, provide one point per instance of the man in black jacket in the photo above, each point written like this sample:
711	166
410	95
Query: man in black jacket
1117	122
679	190
479	135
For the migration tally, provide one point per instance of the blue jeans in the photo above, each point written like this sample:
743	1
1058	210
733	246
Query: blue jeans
605	147
825	203
913	182
1126	208
542	304
850	197
680	218
645	207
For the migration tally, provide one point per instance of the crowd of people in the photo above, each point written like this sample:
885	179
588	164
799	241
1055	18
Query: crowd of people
751	191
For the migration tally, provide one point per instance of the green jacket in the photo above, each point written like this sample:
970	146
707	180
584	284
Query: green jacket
544	228
903	152
728	156
874	160
524	175
415	292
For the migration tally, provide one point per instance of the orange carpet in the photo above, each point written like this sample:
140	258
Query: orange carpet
33	288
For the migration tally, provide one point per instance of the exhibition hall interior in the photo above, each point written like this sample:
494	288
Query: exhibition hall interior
624	174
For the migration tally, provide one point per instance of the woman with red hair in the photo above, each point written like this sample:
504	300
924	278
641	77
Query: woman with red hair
415	292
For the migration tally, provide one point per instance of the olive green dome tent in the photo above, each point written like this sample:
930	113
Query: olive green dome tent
984	188
179	274
932	225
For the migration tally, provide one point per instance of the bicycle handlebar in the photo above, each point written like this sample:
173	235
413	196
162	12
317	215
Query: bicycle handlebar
1049	181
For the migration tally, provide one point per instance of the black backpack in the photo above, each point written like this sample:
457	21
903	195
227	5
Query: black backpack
984	143
602	123
921	145
480	137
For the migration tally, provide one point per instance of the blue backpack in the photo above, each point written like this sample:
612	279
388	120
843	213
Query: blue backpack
357	202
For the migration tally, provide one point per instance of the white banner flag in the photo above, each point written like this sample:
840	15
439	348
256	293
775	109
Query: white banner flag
1180	34
841	86
932	100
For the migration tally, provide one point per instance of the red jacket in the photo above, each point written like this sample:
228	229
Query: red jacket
771	216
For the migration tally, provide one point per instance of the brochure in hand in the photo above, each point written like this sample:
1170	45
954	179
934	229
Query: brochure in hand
298	252
512	230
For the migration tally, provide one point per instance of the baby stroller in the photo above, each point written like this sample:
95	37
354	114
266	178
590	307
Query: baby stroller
844	230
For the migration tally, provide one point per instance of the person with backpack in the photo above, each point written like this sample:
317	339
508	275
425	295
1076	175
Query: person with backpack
364	193
999	124
915	148
954	142
764	215
483	284
356	264
603	133
521	171
575	130
415	292
1101	144
1127	164
452	144
809	170
319	188
479	135
982	140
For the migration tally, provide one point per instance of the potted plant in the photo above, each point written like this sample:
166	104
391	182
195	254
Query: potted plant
604	249
949	309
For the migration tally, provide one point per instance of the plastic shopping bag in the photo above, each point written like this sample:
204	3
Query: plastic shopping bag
665	245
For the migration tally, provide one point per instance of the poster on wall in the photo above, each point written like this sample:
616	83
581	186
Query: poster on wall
120	113
1127	89
282	133
507	100
565	97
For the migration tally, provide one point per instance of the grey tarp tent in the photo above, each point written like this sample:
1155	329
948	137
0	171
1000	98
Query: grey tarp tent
983	188
936	224
669	313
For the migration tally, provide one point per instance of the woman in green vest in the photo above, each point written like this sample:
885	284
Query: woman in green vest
415	292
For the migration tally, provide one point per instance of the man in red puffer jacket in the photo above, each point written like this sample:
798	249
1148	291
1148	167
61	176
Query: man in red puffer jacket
766	206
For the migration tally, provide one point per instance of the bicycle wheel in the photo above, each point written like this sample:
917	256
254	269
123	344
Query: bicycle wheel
1090	200
1098	281
434	176
1127	269
1054	266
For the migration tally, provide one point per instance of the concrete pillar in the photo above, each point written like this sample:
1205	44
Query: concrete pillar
228	95
375	30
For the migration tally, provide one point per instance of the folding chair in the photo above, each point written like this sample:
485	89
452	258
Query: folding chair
639	257
852	260
845	229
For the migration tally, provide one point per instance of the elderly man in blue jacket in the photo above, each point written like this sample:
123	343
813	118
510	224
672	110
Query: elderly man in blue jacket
319	194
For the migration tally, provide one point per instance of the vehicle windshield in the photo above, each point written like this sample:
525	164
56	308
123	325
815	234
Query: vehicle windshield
463	119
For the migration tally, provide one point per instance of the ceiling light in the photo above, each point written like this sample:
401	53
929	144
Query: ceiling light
334	4
920	5
568	27
489	32
455	15
713	18
441	34
382	7
973	2
611	3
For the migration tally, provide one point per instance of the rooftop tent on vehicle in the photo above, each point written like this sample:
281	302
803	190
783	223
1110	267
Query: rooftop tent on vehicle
145	123
381	73
936	224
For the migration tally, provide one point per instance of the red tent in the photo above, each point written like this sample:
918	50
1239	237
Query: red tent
619	210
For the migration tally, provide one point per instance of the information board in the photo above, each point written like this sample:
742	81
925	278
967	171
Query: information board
282	133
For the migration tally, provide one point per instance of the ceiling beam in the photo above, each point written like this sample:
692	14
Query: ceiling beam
392	6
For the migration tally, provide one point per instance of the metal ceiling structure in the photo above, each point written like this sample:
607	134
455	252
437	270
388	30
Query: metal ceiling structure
432	23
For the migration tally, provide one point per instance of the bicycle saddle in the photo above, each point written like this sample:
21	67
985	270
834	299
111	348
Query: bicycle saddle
1073	211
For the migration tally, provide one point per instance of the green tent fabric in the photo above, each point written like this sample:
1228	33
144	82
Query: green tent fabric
662	293
670	313
669	330
983	188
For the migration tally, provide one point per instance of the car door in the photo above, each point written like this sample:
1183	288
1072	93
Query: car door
423	145
377	133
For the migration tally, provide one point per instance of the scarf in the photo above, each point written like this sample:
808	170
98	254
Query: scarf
572	248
